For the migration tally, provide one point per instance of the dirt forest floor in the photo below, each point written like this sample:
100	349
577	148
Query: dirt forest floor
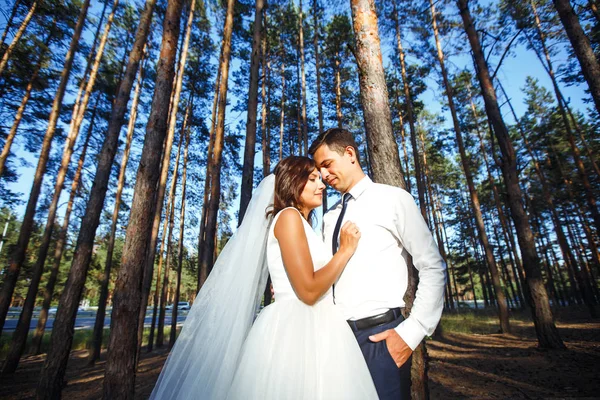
469	360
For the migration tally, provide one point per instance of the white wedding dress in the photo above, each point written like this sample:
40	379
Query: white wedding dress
297	351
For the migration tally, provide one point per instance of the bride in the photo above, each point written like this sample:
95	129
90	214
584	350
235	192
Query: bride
299	347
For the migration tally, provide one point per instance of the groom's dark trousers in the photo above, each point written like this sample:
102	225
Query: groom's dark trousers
391	382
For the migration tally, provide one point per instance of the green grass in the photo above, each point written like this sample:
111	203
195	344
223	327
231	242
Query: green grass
478	321
81	340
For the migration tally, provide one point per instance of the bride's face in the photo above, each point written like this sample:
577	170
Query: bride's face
312	195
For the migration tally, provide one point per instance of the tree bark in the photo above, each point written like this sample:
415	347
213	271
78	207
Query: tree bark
9	22
266	101
473	195
382	148
180	245
18	256
119	379
215	184
304	119
20	336
164	173
250	146
96	345
53	372
410	114
17	36
582	48
315	9
48	292
546	331
26	96
282	105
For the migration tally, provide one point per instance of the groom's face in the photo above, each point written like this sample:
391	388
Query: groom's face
335	168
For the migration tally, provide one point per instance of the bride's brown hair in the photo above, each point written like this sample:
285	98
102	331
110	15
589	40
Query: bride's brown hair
291	175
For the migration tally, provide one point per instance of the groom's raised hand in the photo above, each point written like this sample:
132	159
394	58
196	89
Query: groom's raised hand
397	347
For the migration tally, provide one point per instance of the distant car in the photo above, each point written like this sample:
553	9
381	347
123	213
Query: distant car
52	311
183	305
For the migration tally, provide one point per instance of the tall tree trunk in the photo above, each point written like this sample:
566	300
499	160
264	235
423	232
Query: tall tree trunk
48	292
385	161
474	196
316	36
9	21
19	337
266	101
338	91
17	36
53	372
282	105
26	96
403	135
164	173
303	76
96	345
250	146
582	48
591	199
410	113
180	245
547	333
168	227
119	379
203	272
18	256
215	184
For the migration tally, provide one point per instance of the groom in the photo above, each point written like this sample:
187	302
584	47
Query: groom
370	291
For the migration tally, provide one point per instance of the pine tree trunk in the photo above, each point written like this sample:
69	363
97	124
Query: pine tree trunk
591	199
203	272
410	114
169	217
547	333
9	22
383	153
474	196
119	379
180	245
338	91
96	345
282	105
250	146
316	36
582	48
403	135
48	292
18	35
52	374
215	184
18	256
20	336
150	255
26	96
265	101
303	75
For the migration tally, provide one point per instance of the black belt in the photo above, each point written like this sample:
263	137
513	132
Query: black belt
379	319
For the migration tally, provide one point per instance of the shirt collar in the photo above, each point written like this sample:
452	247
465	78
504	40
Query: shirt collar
360	187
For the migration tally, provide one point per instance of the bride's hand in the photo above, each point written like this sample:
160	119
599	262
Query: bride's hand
349	237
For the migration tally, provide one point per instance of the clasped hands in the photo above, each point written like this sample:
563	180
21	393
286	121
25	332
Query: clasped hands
397	347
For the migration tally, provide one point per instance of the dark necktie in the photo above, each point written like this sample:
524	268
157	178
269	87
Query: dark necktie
336	232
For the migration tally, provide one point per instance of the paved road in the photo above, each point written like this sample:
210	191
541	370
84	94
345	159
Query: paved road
86	320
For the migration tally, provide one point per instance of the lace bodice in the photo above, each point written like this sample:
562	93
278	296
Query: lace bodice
281	284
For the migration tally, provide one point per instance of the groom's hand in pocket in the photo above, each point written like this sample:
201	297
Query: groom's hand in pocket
397	347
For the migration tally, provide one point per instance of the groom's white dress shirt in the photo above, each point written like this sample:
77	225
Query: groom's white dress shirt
376	276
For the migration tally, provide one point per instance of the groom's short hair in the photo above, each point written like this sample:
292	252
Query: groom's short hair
337	139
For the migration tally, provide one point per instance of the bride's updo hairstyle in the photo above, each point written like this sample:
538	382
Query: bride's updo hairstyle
291	175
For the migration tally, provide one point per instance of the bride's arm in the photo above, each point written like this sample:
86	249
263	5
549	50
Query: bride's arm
309	284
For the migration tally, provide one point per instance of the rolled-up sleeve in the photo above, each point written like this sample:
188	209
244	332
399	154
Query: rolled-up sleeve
418	241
